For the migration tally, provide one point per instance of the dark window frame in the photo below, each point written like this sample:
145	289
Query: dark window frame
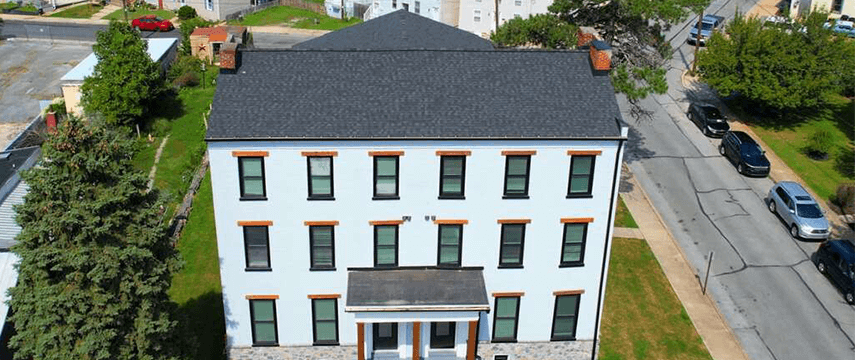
312	265
524	195
555	316
397	194
243	195
436	338
312	196
315	321
443	176
397	231
439	262
590	176
519	264
252	322
375	332
516	320
269	267
564	244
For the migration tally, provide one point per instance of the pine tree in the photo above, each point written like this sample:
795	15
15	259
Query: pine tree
95	260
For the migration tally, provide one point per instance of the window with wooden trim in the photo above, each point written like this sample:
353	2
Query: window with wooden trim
452	176
516	175
581	176
565	317
511	247
263	318
325	321
251	173
507	311
386	177
450	245
385	245
320	170
385	336
442	335
257	247
322	247
573	244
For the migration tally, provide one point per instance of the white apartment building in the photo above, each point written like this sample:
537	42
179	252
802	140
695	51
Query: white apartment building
422	203
479	16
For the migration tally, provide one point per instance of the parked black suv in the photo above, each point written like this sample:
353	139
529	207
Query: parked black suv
837	260
709	119
743	151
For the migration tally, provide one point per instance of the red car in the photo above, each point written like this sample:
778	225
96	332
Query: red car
152	23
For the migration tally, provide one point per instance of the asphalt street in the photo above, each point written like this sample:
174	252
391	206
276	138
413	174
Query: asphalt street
13	29
764	282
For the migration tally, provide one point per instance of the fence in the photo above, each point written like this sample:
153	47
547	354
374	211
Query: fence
304	4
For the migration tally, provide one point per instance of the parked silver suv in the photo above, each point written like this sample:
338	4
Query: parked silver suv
798	210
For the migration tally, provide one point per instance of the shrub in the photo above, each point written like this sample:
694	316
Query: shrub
186	13
184	64
187	79
845	198
820	143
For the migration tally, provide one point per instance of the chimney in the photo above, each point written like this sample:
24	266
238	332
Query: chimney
583	38
601	56
229	57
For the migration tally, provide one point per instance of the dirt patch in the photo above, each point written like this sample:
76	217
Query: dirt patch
9	131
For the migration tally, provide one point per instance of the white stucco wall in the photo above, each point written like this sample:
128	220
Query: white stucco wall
507	10
287	208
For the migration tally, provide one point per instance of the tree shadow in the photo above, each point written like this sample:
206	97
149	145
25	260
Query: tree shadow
845	161
167	107
202	326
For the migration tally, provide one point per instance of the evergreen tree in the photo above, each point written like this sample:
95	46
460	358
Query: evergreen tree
125	81
95	260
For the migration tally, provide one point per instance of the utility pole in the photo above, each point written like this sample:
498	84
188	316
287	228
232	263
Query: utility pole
125	9
698	41
497	16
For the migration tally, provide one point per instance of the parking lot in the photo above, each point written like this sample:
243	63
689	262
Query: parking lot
29	72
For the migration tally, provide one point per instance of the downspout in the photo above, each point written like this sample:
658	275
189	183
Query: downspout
613	200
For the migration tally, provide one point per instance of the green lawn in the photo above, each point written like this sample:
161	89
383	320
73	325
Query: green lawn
642	317
117	15
293	17
8	5
78	12
788	136
623	218
196	289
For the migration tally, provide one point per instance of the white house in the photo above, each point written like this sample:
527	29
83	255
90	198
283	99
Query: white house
479	16
433	203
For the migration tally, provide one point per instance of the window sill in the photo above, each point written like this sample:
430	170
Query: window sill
265	345
451	197
251	269
570	265
325	343
386	198
509	197
511	266
569	338
319	198
322	269
253	198
580	196
441	351
448	266
497	341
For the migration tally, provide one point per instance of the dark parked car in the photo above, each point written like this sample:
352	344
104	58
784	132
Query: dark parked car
709	119
837	260
743	151
151	23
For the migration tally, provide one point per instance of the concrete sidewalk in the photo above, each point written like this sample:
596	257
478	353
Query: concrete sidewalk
710	324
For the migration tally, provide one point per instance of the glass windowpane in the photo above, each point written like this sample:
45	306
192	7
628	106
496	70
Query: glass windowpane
566	305
386	186
385	255
563	327
262	310
511	254
572	253
448	254
512	234
516	184
449	235
452	185
325	331
453	166
323	256
506	307
517	165
258	256
253	187
579	185
504	328
251	166
265	332
386	166
325	309
385	235
582	165
573	233
319	166
321	185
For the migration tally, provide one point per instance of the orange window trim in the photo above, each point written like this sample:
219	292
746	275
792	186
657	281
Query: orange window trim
386	222
584	152
321	223
319	153
255	223
514	221
262	297
568	292
453	153
519	152
324	296
385	153
451	222
508	294
250	153
576	220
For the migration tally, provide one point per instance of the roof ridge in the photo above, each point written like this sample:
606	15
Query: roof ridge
497	50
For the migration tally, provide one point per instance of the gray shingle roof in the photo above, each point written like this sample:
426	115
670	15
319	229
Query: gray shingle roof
413	94
400	30
417	289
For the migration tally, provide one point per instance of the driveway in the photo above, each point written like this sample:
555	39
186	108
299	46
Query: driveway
763	281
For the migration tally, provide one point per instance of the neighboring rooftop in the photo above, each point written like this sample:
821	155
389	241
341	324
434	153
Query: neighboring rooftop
12	161
420	289
12	191
157	48
497	94
400	30
218	33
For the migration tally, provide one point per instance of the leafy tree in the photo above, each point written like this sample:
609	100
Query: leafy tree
787	69
125	81
542	29
96	262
